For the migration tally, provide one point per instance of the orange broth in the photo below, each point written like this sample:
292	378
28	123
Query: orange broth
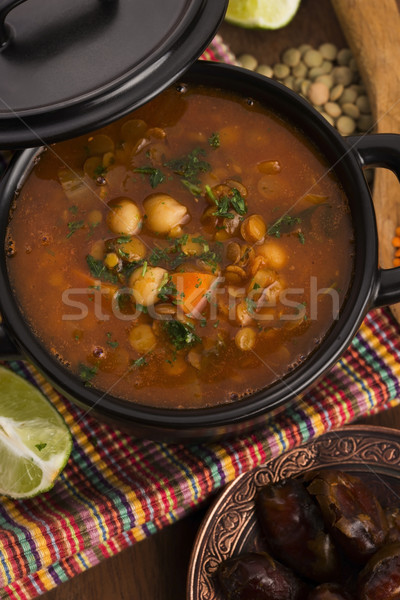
234	270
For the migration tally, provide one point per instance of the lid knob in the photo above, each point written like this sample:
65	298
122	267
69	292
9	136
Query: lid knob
5	8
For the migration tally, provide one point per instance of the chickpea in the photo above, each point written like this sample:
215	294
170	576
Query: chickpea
191	248
142	338
262	279
163	213
274	254
253	229
245	339
94	217
146	283
124	217
134	249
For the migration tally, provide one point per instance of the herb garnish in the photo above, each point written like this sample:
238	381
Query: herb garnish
301	237
284	221
172	256
98	270
156	176
167	289
110	342
225	204
190	166
87	373
214	140
74	226
181	335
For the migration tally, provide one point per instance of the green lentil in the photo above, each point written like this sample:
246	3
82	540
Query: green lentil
328	51
281	71
363	104
291	57
344	56
247	61
336	92
333	109
345	125
351	110
342	75
312	58
265	70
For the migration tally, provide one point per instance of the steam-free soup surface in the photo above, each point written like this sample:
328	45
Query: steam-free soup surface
185	256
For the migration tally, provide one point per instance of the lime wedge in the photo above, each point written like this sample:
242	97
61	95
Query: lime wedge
265	14
35	442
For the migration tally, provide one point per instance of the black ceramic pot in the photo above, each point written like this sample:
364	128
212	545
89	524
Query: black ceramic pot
371	286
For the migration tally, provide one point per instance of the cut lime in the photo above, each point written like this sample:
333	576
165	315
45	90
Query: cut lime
265	14
35	442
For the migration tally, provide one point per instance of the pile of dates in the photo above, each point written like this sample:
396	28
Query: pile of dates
327	538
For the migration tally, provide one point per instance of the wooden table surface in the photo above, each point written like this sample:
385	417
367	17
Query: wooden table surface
156	568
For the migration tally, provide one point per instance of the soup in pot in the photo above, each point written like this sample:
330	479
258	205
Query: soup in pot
188	255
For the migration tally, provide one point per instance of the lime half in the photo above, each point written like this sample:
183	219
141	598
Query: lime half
35	442
265	14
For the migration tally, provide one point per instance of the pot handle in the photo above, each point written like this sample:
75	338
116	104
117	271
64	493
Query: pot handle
381	150
8	351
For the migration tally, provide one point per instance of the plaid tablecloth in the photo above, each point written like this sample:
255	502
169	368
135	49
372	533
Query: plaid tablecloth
116	490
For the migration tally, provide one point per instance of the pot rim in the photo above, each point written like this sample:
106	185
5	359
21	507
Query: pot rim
357	303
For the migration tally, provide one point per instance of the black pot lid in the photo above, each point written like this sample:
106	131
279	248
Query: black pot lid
70	67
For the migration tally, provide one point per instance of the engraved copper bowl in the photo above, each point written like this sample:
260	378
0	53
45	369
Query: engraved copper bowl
230	526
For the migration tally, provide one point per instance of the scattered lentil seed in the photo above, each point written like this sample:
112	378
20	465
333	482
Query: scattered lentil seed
291	57
247	61
327	66
300	70
351	110
281	71
333	109
305	86
344	56
328	51
343	75
363	104
265	70
318	93
348	95
315	72
313	58
336	92
345	125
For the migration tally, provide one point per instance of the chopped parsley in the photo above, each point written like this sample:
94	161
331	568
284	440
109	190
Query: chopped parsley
226	204
87	373
73	209
285	221
172	256
181	335
301	237
98	270
74	226
214	140
167	289
112	344
190	166
155	175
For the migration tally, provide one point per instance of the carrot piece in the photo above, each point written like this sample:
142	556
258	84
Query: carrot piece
398	231
396	242
396	262
397	253
192	289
